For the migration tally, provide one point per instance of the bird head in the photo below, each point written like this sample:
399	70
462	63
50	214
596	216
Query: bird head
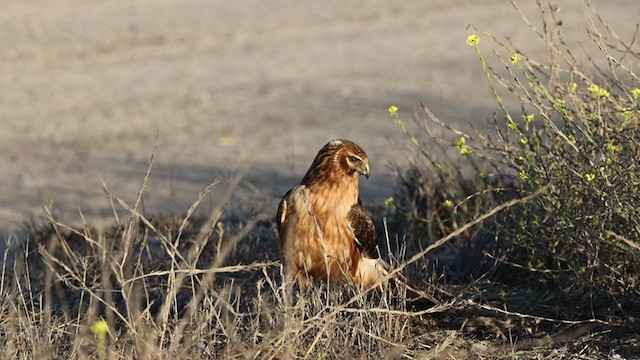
336	159
351	158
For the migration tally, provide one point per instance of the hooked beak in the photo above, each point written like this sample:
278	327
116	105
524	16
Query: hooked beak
364	170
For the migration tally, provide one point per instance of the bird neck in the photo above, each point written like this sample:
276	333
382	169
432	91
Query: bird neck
335	193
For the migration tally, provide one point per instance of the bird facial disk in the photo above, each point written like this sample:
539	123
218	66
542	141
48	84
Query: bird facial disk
359	165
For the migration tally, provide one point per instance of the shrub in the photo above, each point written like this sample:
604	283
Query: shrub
576	136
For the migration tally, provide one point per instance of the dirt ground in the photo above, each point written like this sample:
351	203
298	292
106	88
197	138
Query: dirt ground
86	86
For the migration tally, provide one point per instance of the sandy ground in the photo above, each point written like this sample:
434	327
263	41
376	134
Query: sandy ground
86	86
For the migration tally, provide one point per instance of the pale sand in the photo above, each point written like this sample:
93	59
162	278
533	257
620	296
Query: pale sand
85	87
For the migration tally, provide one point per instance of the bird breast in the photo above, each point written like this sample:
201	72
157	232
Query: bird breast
323	242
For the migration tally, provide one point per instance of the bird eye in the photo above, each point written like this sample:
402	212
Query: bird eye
352	159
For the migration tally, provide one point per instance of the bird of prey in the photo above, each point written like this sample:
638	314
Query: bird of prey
324	232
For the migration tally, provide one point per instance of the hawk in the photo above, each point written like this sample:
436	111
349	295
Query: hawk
324	232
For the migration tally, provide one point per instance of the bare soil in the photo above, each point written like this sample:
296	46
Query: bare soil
86	87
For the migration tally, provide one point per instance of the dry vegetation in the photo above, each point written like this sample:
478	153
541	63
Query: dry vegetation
534	255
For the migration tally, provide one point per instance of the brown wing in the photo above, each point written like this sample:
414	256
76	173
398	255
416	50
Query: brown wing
282	210
364	231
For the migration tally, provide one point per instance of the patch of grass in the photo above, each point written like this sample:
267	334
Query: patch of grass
184	287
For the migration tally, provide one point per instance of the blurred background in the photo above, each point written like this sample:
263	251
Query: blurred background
86	87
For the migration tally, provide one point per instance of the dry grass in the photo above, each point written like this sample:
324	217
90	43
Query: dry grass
180	287
193	287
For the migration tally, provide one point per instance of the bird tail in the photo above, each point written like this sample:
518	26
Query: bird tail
370	271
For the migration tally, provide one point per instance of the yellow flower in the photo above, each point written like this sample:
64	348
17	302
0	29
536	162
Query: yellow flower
460	144
389	201
473	40
393	110
523	141
560	102
571	138
515	58
511	125
635	93
100	329
523	175
597	91
527	118
590	177
572	87
614	148
448	203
